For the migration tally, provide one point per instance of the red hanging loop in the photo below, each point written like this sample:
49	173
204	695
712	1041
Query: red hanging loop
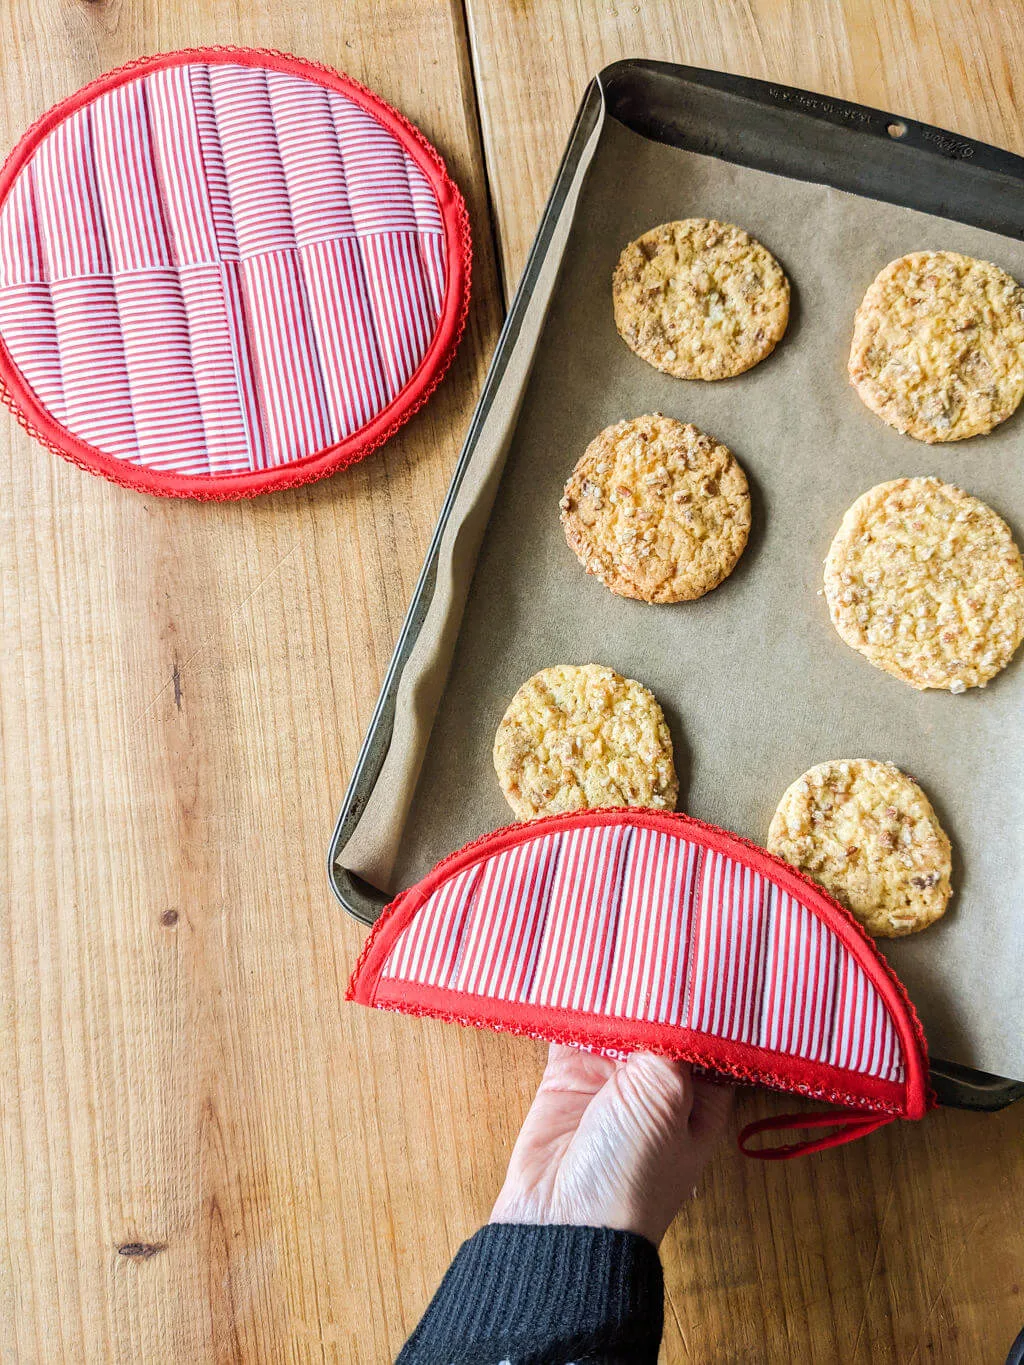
850	1124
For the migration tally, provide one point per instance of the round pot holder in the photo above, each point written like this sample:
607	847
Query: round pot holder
224	272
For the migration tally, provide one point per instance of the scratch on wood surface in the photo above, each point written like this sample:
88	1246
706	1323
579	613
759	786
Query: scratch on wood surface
890	1195
679	1325
756	32
950	1272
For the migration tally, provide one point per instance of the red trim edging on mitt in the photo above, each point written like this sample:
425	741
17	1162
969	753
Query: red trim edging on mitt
867	1101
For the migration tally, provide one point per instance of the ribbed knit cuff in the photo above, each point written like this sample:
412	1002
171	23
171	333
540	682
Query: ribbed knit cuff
540	1295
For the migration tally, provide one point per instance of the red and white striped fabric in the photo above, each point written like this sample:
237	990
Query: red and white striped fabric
223	272
628	930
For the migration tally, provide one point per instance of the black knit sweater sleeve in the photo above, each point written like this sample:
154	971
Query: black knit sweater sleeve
544	1296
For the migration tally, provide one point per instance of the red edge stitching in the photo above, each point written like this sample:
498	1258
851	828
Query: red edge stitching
742	1062
17	395
918	1098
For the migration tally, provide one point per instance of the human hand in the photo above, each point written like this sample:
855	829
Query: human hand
612	1144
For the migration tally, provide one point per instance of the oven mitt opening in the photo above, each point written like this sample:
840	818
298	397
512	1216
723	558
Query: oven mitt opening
638	930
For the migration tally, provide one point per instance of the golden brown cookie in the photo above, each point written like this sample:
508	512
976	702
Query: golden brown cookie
700	299
868	834
938	346
926	582
580	736
657	510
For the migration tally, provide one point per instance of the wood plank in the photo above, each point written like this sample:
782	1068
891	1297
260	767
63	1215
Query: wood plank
906	1247
183	690
941	62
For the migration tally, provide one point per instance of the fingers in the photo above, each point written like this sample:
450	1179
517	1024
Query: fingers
561	1052
575	1068
665	1083
666	1076
669	1088
658	1094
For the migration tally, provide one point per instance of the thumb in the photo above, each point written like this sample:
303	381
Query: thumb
712	1107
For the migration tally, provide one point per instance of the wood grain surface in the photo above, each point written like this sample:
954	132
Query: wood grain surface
206	1155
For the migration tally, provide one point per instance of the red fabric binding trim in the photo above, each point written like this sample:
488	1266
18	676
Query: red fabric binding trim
849	1125
911	1100
739	1061
19	397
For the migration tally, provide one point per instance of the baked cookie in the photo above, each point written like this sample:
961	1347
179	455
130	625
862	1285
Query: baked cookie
868	834
580	736
926	582
700	299
938	346
657	510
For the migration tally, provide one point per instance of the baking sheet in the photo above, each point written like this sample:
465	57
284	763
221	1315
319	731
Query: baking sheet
755	683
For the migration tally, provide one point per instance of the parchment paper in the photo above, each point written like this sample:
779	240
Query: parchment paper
756	684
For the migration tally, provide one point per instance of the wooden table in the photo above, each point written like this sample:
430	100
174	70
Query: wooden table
206	1154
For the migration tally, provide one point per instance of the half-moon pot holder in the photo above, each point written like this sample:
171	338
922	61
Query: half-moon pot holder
225	271
636	929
